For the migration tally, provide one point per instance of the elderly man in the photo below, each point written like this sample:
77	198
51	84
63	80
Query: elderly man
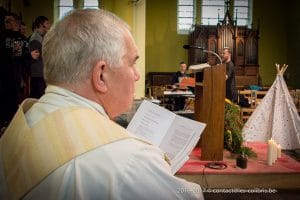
65	145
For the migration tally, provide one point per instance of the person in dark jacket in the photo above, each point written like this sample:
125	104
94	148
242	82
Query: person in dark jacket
231	93
37	83
13	50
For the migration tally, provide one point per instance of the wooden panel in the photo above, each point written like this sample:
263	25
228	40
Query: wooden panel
246	80
160	78
251	70
240	51
198	38
252	48
212	46
209	108
239	70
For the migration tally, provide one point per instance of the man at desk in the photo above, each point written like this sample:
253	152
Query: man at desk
180	74
179	101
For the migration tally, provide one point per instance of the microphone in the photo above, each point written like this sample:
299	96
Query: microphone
186	46
199	67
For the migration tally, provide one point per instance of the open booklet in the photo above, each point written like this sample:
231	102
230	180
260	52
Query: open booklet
175	135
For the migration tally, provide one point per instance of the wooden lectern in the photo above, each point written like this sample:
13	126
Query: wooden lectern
209	108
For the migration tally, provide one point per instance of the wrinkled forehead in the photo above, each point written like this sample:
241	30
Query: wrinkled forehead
129	43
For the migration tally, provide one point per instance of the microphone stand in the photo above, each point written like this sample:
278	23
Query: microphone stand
186	46
214	53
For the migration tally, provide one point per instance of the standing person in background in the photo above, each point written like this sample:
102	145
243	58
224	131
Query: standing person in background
73	149
37	83
26	73
231	92
41	26
13	52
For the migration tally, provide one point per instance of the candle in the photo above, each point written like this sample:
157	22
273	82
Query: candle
278	151
270	150
274	151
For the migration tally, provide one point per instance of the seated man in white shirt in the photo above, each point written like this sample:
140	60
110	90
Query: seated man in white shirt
66	145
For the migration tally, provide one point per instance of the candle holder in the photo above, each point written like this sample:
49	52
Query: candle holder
242	161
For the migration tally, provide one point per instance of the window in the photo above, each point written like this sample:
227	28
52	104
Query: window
91	4
64	7
212	11
185	16
242	12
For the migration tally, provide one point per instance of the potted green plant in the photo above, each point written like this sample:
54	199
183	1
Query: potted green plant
233	139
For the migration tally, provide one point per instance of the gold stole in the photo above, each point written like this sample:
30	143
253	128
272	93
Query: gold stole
31	154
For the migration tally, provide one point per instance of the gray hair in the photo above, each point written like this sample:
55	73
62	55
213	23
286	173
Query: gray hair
83	37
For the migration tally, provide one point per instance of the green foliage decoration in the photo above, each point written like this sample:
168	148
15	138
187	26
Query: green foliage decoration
233	139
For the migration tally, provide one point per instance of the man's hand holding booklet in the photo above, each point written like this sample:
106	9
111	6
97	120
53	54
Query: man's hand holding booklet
174	134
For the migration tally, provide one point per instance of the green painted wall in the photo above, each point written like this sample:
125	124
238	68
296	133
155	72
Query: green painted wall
122	8
273	37
293	43
279	39
163	45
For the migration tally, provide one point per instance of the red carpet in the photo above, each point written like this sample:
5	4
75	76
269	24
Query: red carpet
257	165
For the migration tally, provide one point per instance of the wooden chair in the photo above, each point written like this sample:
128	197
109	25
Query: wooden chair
259	96
254	98
157	92
246	111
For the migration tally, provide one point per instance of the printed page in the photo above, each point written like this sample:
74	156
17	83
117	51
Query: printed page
175	135
183	156
151	122
181	139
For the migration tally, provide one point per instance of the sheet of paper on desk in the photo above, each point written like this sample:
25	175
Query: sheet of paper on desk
175	135
187	81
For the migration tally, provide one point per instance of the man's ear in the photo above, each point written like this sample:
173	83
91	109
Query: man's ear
98	80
